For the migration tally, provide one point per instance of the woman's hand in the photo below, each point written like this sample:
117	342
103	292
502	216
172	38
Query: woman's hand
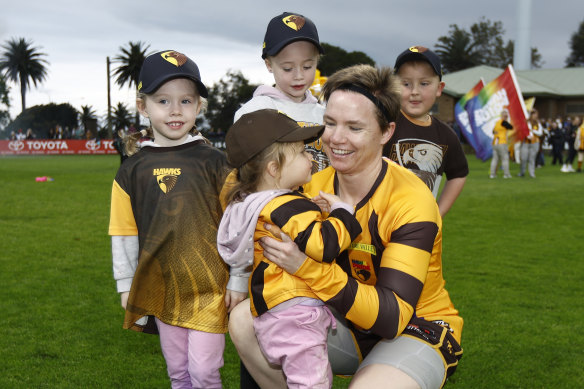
285	254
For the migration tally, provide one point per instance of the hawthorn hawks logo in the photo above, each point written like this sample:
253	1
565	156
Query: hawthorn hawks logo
175	58
295	22
166	178
418	49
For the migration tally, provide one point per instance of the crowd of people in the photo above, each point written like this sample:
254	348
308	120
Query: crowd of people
556	137
56	132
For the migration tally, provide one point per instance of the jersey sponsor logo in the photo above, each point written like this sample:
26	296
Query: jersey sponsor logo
368	248
361	269
166	178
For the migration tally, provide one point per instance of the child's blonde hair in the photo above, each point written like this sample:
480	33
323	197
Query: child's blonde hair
131	140
249	175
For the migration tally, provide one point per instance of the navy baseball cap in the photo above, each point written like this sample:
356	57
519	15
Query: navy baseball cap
287	28
419	53
167	65
254	132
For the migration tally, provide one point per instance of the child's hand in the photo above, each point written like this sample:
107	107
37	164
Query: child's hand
232	298
325	200
124	298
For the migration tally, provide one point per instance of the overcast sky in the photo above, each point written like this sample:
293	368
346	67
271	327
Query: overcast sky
77	36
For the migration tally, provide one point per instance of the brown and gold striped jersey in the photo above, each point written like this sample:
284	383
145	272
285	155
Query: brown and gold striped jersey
393	269
321	237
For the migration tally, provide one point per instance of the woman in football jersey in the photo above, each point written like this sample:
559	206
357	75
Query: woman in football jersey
396	324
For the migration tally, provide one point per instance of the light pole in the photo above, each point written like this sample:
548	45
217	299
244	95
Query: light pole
109	101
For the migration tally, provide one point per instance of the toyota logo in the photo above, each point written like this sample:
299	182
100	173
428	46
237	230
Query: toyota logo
92	145
16	145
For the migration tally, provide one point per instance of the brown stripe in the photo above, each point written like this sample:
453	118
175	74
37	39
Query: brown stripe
407	287
257	288
387	321
344	300
420	235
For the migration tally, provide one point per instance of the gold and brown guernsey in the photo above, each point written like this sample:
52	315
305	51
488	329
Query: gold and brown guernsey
177	190
322	239
393	269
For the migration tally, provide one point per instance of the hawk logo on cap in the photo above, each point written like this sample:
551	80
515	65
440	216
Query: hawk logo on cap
418	49
295	22
174	57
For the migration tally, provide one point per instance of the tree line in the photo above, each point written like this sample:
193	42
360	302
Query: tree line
25	65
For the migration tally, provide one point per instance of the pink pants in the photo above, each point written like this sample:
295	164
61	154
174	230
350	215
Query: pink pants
295	338
193	358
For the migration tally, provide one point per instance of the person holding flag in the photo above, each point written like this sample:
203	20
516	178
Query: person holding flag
502	130
530	145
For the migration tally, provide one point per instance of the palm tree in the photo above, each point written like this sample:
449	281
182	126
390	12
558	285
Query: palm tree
22	63
131	59
457	50
121	117
86	115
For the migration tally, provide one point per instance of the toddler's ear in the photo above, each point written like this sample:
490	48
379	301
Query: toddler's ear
273	169
141	105
268	64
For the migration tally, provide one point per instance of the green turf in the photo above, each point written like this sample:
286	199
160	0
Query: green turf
513	263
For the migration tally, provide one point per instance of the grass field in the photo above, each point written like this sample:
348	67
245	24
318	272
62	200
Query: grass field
513	260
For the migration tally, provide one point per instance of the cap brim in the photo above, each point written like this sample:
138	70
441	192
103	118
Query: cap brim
413	56
276	49
303	134
158	83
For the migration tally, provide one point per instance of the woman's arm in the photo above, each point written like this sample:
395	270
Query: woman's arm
384	308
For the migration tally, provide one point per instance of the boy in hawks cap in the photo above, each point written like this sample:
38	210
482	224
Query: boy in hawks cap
291	50
287	28
423	144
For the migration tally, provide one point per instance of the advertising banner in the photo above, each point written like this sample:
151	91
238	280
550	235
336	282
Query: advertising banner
56	146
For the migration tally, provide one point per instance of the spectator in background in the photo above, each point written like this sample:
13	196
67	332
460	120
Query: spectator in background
502	130
557	141
530	145
12	135
570	128
58	132
20	135
29	134
579	145
540	158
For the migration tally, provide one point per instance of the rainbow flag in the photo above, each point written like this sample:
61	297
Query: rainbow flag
461	115
485	109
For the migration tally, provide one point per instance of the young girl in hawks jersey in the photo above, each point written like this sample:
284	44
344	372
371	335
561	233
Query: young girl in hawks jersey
267	148
164	214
